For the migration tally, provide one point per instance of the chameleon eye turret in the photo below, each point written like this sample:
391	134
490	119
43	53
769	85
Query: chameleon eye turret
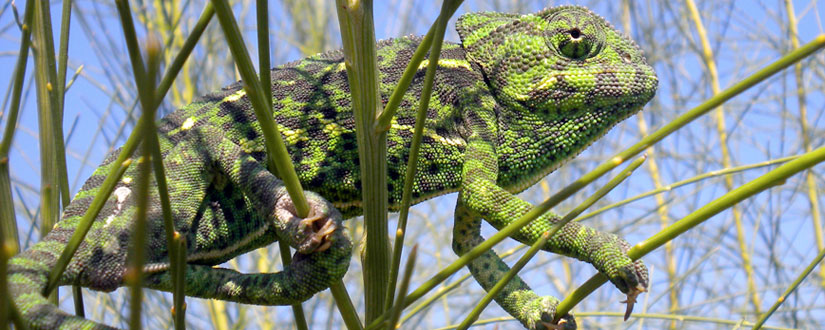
574	35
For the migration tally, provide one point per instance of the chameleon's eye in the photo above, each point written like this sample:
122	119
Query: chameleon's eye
575	36
574	45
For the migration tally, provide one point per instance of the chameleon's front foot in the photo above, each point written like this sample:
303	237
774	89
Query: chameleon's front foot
313	233
634	281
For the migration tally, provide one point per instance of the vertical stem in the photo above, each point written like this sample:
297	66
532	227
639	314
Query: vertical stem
8	225
358	36
420	119
262	10
47	107
713	76
810	179
63	177
661	205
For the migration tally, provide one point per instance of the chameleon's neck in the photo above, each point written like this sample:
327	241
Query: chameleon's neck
530	146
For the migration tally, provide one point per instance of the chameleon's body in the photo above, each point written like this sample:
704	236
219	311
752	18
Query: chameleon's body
517	98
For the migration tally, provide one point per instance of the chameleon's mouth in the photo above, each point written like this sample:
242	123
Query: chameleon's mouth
563	93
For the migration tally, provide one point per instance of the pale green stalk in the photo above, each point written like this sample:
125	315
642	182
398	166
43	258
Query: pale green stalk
8	225
262	16
275	147
732	324
402	289
279	158
810	180
358	36
178	266
420	119
764	317
680	183
48	123
145	77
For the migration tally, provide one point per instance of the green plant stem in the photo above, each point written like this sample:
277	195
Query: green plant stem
137	251
775	177
624	174
735	324
262	16
345	307
275	147
179	283
47	120
764	317
8	225
680	183
358	37
412	161
174	68
9	242
384	119
402	290
60	95
144	79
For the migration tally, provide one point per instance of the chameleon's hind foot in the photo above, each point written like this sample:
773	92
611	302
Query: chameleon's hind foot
539	313
315	232
321	229
566	323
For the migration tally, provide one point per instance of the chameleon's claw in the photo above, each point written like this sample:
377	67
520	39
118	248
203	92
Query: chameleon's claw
562	325
631	299
315	232
321	229
322	236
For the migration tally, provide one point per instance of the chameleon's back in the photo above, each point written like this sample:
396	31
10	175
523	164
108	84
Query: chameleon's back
311	101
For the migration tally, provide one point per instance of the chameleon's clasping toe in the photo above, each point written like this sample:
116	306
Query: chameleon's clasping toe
321	229
316	232
631	299
565	323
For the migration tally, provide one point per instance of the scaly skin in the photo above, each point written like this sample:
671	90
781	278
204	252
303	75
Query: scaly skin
518	97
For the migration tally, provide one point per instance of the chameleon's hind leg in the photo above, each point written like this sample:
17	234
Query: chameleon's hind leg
516	298
221	163
246	207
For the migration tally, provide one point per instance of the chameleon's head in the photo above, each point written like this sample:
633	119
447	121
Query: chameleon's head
558	61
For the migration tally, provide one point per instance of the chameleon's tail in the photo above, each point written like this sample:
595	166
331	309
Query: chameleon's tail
28	274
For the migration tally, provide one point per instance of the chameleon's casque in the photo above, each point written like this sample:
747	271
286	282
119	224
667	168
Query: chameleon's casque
516	98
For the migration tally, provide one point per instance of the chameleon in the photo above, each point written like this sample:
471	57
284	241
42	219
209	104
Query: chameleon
520	95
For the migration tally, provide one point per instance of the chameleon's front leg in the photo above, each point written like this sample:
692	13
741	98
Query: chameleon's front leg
533	311
480	196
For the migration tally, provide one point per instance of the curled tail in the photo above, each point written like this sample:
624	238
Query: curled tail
28	273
